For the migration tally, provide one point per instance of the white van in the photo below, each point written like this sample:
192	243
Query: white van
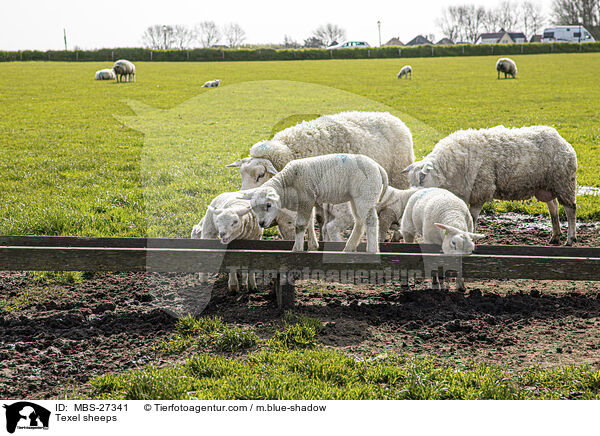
567	34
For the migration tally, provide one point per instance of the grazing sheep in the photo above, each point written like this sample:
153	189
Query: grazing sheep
332	178
228	217
212	83
125	68
442	219
505	164
405	72
506	66
105	74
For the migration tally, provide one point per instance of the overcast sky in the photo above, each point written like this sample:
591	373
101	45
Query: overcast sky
38	24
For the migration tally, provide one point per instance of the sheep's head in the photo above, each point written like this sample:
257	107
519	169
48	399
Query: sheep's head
457	241
421	174
254	171
265	203
228	222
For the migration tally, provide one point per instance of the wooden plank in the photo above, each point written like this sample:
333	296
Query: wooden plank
270	245
209	260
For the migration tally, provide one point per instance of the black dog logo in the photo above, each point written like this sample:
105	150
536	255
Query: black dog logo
28	415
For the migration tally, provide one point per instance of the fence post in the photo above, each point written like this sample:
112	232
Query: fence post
331	54
112	55
431	51
552	48
521	48
492	48
223	54
294	51
399	52
463	49
369	53
76	55
187	53
21	55
150	54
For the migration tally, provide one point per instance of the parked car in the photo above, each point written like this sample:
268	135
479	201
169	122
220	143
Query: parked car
567	34
351	44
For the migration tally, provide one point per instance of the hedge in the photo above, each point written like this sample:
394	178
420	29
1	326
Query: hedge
213	54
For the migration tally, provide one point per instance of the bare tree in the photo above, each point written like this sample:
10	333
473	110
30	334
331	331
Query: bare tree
473	19
450	23
207	33
584	12
183	36
158	36
532	17
329	33
288	42
491	21
508	15
462	23
313	42
234	35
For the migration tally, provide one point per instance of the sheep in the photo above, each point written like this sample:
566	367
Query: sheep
442	219
378	135
506	66
331	178
125	68
105	74
228	217
506	164
212	83
405	72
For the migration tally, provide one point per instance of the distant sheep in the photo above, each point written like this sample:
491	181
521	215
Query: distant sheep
331	178
212	83
105	74
405	72
125	68
506	164
228	217
506	66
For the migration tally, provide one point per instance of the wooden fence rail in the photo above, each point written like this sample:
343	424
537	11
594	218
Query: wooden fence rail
274	256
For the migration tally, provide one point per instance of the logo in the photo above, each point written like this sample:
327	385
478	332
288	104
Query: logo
26	415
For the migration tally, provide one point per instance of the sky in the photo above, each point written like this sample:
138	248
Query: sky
38	24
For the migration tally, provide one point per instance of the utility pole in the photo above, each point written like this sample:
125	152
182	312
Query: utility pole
379	28
65	36
165	36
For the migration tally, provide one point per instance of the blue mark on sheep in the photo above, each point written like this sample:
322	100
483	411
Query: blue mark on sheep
342	157
423	192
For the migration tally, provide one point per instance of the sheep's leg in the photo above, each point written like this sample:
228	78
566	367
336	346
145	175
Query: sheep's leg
245	279
251	281
569	202
553	209
357	230
372	223
313	241
409	238
233	283
475	209
386	218
337	221
460	283
302	219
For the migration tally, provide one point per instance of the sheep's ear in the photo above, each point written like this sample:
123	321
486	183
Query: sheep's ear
237	163
241	211
271	169
448	229
476	236
246	195
407	169
428	167
215	210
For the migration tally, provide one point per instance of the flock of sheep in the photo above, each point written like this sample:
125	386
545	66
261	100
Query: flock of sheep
503	65
358	169
121	69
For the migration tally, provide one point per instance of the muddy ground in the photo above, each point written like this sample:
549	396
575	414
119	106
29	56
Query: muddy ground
55	337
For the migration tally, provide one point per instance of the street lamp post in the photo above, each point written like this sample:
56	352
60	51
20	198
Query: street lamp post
165	36
379	28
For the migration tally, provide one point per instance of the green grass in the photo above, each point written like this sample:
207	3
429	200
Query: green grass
290	371
81	157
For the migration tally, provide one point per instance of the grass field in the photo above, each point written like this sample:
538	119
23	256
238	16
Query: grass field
81	157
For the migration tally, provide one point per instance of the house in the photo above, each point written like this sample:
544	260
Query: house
502	37
393	42
536	38
419	40
444	41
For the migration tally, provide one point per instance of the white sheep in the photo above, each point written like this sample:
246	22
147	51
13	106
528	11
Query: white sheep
505	164
123	67
379	135
406	72
212	83
442	219
228	217
105	74
506	66
332	178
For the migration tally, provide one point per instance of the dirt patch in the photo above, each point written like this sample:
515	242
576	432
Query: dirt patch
57	337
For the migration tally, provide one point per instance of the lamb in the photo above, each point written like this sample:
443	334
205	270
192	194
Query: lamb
229	218
125	68
405	72
212	83
379	135
506	66
506	164
105	74
442	219
331	178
